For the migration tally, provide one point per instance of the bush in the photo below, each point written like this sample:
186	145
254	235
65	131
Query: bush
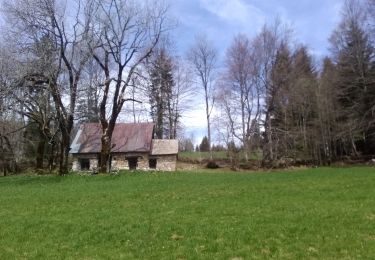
212	165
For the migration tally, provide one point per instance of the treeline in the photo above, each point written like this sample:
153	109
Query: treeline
62	64
273	98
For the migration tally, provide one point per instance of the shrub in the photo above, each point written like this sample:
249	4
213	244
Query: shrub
212	165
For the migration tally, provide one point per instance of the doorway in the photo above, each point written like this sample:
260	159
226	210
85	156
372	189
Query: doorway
133	163
152	163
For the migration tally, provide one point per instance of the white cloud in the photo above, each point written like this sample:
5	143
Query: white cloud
195	118
234	11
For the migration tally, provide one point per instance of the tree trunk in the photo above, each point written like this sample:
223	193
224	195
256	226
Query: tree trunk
66	129
105	153
160	121
51	157
175	123
106	140
267	148
40	154
64	153
208	122
40	151
244	136
209	135
2	158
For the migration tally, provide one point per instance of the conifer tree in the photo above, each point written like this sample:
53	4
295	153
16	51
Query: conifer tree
160	92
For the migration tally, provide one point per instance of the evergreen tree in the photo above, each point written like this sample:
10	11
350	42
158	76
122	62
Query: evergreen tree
304	106
204	145
356	84
161	99
291	107
276	107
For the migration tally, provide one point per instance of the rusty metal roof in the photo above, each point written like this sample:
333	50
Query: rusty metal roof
127	137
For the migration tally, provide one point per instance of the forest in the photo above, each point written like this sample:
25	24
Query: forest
64	64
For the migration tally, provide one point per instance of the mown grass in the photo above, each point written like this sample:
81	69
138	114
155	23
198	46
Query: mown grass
316	213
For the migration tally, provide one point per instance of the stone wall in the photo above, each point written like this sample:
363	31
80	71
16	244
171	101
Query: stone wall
143	163
93	164
119	162
76	166
92	158
166	162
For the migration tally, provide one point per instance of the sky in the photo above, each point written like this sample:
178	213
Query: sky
312	22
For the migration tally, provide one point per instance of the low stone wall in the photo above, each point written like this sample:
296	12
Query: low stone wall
166	162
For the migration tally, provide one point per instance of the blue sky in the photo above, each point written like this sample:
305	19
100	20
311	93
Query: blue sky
312	23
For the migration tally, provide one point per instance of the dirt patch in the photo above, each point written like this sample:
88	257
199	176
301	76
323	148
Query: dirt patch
185	166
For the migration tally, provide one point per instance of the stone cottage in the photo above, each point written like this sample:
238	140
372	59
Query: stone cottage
133	147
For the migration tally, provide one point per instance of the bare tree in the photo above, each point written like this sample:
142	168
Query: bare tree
89	93
182	95
371	17
203	57
240	90
266	46
64	35
327	113
123	35
9	123
36	105
34	101
223	123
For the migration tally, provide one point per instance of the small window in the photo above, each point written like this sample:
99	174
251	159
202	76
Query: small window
152	163
85	164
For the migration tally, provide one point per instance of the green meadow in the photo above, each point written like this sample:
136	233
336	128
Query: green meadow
323	213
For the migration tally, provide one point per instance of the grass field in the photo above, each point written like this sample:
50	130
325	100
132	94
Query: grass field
321	213
216	155
202	155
